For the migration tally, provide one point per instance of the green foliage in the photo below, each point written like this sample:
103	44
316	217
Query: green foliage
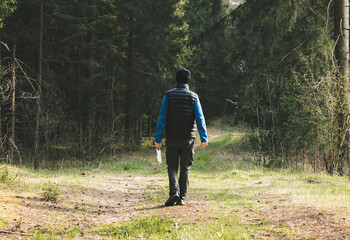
5	175
108	63
211	62
287	85
6	8
102	59
51	192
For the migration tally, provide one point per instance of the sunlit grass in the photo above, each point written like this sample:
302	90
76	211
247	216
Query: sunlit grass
242	189
223	177
229	227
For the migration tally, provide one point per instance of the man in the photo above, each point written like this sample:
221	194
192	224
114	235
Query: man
179	113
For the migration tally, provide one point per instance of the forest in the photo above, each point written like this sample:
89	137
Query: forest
82	79
81	89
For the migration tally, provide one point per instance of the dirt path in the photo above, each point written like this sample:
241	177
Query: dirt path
94	199
97	200
112	199
304	222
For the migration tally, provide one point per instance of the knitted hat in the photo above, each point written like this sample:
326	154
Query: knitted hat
183	76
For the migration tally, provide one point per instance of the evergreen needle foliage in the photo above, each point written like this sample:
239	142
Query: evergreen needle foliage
84	80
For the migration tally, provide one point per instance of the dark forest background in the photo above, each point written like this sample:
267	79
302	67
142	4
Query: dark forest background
81	79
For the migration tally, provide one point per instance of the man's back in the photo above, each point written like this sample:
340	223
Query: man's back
181	115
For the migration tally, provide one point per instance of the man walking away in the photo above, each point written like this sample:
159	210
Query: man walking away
179	114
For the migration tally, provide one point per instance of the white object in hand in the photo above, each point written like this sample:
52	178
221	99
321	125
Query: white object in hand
159	155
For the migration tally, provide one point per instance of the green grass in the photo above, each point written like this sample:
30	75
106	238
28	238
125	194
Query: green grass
44	234
148	227
2	224
228	227
226	152
224	176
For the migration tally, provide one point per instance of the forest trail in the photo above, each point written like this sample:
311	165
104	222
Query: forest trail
122	198
93	198
96	199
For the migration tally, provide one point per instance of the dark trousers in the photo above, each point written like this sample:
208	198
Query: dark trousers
179	150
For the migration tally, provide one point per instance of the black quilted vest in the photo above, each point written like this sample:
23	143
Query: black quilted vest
181	116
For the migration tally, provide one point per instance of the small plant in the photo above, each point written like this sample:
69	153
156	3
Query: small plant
5	175
51	192
145	228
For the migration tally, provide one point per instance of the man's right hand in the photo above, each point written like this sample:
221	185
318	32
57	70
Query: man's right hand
158	145
204	144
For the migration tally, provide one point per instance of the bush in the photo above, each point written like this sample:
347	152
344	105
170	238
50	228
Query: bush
51	192
5	175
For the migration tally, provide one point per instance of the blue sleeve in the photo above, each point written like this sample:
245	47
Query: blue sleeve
161	120
202	128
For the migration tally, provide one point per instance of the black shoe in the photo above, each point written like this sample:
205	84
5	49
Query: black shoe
172	199
181	201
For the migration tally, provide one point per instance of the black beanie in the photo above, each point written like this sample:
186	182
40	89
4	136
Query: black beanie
183	76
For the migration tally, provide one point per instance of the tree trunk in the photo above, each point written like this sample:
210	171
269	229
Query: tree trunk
150	127
92	103
140	128
1	141
38	114
81	109
92	38
136	129
341	30
128	108
12	138
112	100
